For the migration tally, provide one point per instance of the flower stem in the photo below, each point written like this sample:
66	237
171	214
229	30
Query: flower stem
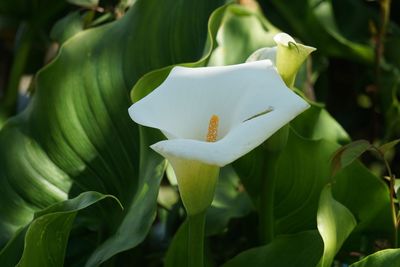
273	148
267	214
267	199
196	240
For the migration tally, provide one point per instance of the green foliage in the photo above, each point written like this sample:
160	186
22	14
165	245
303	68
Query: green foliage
301	249
335	223
75	144
387	258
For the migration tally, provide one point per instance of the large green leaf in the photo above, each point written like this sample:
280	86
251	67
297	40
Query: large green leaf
335	223
142	210
301	177
76	134
302	170
383	258
47	235
301	249
316	123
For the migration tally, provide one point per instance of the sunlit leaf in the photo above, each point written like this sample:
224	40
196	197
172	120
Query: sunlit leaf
383	258
335	223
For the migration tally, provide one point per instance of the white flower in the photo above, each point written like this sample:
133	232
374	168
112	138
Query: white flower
250	102
211	117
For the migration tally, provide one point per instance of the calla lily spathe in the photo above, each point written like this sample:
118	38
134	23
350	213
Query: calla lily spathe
287	56
250	100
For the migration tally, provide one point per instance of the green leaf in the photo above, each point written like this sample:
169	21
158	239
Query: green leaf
366	196
142	211
345	155
388	146
316	123
47	235
84	3
302	249
240	24
230	201
314	22
67	27
76	134
177	251
300	178
335	223
383	258
12	251
302	170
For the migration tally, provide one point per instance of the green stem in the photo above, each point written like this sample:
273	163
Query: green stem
392	202
392	195
273	148
196	240
267	217
266	210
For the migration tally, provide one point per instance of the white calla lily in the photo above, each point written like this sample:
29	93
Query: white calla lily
211	117
250	100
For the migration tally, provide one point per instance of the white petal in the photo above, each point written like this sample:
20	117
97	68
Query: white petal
240	140
182	105
264	53
283	39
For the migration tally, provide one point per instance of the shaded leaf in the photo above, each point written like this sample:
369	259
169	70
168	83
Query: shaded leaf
67	27
230	201
47	235
388	146
345	155
302	249
12	251
314	22
142	211
84	3
177	251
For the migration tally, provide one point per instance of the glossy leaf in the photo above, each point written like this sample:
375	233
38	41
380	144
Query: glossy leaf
76	134
383	258
335	223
